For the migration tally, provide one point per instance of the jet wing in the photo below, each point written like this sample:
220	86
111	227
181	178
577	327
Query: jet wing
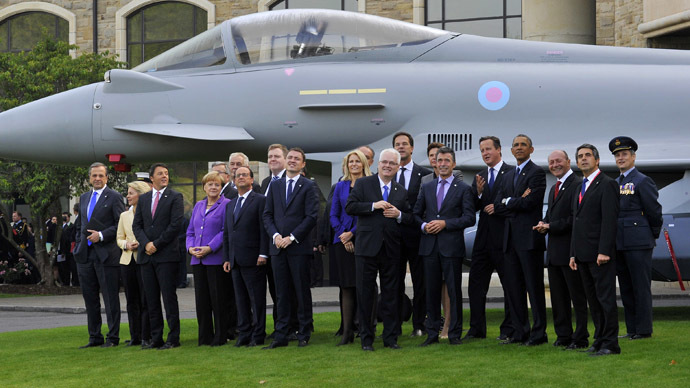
189	131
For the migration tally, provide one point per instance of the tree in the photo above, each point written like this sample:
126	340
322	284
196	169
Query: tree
28	76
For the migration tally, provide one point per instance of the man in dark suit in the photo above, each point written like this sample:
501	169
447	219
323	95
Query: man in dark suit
292	206
639	225
593	253
222	168
381	206
521	198
565	284
444	209
487	251
245	250
98	256
156	226
276	160
410	176
65	257
235	161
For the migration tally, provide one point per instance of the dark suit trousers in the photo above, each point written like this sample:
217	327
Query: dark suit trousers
210	290
68	271
525	273
229	308
366	268
436	269
293	270
137	312
566	287
599	283
293	323
160	279
482	266
95	277
634	270
250	296
409	254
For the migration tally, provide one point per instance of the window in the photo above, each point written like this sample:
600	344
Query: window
343	5
492	18
161	26
21	32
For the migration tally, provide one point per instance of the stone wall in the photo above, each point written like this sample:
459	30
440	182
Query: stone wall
604	22
628	15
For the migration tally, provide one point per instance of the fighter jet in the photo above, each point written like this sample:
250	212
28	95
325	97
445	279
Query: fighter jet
329	81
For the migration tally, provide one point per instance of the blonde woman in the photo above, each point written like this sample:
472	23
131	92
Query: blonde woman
139	324
344	225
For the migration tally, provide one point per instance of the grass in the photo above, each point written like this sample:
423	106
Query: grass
15	295
50	358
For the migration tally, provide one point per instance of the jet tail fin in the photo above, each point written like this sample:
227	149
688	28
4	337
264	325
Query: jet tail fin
189	131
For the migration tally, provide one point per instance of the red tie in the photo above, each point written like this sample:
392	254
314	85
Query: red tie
155	203
555	193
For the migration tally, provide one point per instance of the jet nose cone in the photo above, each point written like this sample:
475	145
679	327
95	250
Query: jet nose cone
55	129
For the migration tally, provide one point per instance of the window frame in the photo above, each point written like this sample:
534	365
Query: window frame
443	21
8	22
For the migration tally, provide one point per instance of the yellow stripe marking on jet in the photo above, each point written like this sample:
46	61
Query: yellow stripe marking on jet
368	91
312	92
342	91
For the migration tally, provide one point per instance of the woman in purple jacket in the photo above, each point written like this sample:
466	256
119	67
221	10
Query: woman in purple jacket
354	166
205	244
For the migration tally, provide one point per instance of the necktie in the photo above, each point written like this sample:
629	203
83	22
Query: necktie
385	193
620	179
275	178
582	192
516	177
491	178
92	205
555	193
155	203
289	189
238	206
440	194
402	177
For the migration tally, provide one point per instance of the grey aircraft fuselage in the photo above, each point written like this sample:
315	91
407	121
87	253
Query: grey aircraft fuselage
447	86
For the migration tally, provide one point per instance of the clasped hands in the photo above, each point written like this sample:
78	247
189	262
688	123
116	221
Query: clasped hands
389	211
541	227
435	226
282	242
346	239
200	252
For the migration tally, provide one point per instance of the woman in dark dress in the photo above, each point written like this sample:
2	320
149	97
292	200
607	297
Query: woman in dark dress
354	166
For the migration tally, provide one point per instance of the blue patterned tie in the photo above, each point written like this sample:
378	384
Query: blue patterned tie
289	189
584	188
238	206
440	194
385	193
92	205
516	177
491	178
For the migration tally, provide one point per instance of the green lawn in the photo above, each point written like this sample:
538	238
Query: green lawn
50	358
14	295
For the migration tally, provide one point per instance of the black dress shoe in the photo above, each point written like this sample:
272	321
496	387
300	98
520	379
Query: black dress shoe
109	344
626	335
503	337
392	346
275	344
133	343
559	342
152	345
91	345
145	343
303	343
169	345
367	348
428	341
640	336
470	337
292	337
575	346
242	342
591	349
511	341
604	352
535	342
253	343
455	341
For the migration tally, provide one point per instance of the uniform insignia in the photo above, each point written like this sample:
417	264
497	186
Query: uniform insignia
628	189
618	142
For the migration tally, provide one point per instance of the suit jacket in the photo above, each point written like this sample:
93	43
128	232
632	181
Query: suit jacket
411	234
107	212
267	181
296	217
559	216
66	239
373	229
229	192
206	229
491	227
244	238
125	235
340	220
595	219
639	219
162	229
522	213
457	209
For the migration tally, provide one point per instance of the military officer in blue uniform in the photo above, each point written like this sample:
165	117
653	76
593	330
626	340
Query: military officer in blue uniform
639	225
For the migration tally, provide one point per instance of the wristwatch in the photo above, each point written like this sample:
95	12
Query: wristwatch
292	238
504	201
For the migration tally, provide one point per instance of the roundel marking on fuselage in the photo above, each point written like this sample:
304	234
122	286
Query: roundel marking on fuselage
493	95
